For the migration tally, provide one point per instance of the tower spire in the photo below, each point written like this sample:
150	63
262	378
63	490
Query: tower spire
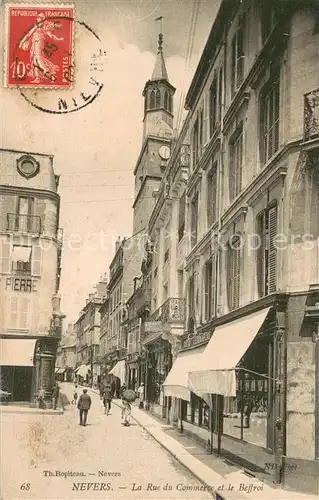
160	72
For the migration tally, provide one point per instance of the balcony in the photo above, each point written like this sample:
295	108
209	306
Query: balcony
311	115
169	317
19	223
171	311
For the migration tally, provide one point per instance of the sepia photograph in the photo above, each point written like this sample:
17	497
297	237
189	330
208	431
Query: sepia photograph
159	249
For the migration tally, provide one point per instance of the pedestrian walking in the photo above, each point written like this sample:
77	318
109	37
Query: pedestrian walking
123	388
126	413
84	405
41	396
55	395
140	395
107	399
75	395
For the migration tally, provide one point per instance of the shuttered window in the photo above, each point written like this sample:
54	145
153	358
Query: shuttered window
235	163
5	264
269	118
209	288
267	252
36	260
237	57
212	195
233	273
195	142
194	220
181	216
19	313
215	94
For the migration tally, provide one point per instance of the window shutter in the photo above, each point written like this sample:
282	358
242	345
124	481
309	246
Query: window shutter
206	118
260	267
214	259
14	312
24	313
5	257
272	253
36	260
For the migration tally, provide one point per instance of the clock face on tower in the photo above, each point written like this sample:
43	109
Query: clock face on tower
164	152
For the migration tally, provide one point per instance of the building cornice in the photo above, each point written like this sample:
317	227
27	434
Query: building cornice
39	193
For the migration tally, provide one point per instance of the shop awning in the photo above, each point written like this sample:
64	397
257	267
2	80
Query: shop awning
222	354
56	370
82	371
61	370
21	254
119	370
175	384
17	352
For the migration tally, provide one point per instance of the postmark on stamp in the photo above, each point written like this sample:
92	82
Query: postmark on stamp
39	46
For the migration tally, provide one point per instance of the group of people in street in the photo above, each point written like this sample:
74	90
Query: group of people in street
54	397
84	402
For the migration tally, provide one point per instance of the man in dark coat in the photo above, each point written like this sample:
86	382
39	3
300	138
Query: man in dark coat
55	395
107	399
84	405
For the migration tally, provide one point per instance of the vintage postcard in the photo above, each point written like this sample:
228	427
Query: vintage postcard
159	249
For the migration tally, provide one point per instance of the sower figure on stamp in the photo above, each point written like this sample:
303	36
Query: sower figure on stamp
35	41
84	405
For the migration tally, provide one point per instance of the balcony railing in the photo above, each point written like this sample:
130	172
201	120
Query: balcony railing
171	311
24	223
311	115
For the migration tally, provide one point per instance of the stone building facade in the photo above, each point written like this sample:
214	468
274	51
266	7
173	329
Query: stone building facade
31	246
252	257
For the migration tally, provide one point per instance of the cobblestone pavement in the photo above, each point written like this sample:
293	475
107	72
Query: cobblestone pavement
40	452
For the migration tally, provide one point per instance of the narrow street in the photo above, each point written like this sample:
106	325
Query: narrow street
40	452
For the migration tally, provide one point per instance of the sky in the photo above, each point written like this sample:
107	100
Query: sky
96	148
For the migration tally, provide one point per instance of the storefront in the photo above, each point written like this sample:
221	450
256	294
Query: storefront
26	365
229	390
159	361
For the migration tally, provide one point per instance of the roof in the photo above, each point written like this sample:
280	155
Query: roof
159	72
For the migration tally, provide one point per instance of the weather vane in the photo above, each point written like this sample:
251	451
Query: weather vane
160	36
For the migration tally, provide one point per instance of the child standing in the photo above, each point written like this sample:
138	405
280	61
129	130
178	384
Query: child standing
75	395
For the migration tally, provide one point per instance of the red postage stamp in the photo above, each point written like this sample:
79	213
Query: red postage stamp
39	45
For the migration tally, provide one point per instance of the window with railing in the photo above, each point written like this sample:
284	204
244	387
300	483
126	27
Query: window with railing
233	272
237	57
269	118
235	163
267	252
21	259
24	223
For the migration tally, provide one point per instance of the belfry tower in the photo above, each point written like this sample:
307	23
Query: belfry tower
158	99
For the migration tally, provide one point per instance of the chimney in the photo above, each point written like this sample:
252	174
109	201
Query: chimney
117	243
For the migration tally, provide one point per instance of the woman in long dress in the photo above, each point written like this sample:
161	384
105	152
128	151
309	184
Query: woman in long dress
36	42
